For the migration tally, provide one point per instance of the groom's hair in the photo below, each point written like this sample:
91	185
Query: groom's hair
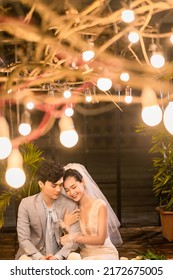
72	173
50	170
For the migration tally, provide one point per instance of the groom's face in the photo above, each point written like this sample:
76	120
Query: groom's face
52	190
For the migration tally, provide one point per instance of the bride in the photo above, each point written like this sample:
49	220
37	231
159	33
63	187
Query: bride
99	224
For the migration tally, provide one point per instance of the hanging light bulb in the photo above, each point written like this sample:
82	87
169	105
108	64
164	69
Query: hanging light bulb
133	37
124	77
88	95
24	129
89	53
68	134
5	143
128	95
69	111
157	58
127	15
152	115
168	117
25	126
88	98
151	112
104	83
15	176
67	93
5	147
30	105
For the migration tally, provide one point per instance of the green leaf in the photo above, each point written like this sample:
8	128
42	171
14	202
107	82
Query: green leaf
150	255
170	205
4	202
162	150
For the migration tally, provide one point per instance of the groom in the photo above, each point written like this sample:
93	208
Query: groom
40	218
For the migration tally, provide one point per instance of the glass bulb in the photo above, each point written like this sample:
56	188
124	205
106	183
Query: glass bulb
69	111
124	77
24	129
69	138
152	115
15	177
168	116
5	147
128	99
104	83
128	16
133	37
88	98
88	55
67	94
157	60
30	105
128	94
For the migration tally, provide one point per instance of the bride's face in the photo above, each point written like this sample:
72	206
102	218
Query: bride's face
74	189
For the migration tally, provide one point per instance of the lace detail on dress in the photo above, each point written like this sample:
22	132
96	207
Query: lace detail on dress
93	217
92	224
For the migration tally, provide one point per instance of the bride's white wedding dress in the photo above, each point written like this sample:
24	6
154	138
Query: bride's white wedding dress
107	251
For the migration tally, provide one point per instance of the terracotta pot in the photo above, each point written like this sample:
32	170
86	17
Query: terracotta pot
166	218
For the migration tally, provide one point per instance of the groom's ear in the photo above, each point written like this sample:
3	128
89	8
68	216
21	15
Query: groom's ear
40	183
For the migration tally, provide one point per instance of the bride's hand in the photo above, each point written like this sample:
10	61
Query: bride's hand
67	238
71	217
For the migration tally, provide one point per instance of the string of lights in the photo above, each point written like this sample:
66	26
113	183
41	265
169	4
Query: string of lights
69	56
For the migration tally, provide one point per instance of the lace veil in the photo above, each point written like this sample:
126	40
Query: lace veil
93	190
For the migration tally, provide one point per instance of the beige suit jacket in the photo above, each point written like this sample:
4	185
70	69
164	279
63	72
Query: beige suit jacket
31	226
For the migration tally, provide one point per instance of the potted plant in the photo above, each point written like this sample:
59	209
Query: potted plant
32	158
162	149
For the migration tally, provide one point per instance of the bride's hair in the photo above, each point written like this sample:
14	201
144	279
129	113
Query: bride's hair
72	173
94	191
